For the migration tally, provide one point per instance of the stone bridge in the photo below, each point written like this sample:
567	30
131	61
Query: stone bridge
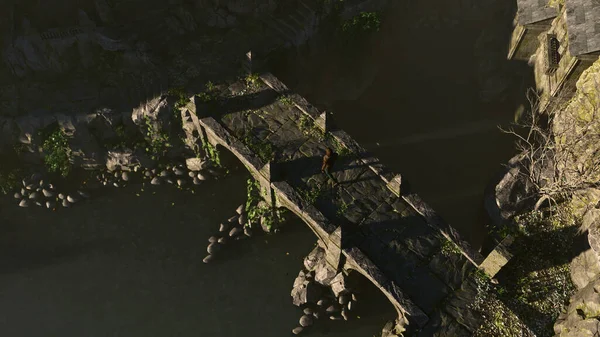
370	223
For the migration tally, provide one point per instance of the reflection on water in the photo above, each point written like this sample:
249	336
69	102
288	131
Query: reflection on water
121	265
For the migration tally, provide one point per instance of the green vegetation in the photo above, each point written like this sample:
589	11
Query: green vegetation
308	128
263	149
9	180
252	81
537	281
212	152
337	146
450	248
57	153
209	93
362	23
286	100
343	207
311	195
265	212
157	142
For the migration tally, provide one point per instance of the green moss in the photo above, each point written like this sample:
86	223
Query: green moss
449	248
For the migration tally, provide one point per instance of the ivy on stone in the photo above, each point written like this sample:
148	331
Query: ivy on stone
57	153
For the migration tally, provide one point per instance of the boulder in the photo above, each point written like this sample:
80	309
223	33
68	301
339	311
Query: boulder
306	293
338	285
584	268
582	314
195	164
314	258
300	279
324	274
124	160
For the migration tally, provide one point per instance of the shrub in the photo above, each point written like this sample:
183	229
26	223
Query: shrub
57	152
364	22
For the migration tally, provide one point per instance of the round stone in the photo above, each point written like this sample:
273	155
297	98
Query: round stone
350	305
222	240
164	173
148	174
42	183
242	219
37	203
213	248
30	187
335	318
170	181
125	176
306	320
61	196
343	299
196	181
47	193
155	181
23	192
72	199
235	231
208	258
308	311
201	176
330	309
180	182
50	204
65	203
191	174
322	302
24	203
213	239
18	195
117	185
223	228
317	314
248	231
34	195
178	171
233	218
297	330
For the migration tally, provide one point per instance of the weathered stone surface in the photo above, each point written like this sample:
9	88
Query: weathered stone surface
580	318
306	292
314	258
584	268
123	160
324	274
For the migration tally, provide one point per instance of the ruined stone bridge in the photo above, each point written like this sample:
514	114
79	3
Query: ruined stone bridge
370	223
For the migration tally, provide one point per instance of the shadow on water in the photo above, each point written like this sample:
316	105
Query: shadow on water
424	94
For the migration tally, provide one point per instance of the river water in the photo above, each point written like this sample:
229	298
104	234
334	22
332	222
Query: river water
425	94
123	265
127	265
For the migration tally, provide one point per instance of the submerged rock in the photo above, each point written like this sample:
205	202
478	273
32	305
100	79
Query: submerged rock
196	181
222	240
208	259
72	199
18	195
223	228
307	311
50	204
155	181
65	203
213	239
213	248
24	203
298	330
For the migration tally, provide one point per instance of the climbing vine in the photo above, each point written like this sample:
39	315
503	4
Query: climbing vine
263	149
256	213
212	152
